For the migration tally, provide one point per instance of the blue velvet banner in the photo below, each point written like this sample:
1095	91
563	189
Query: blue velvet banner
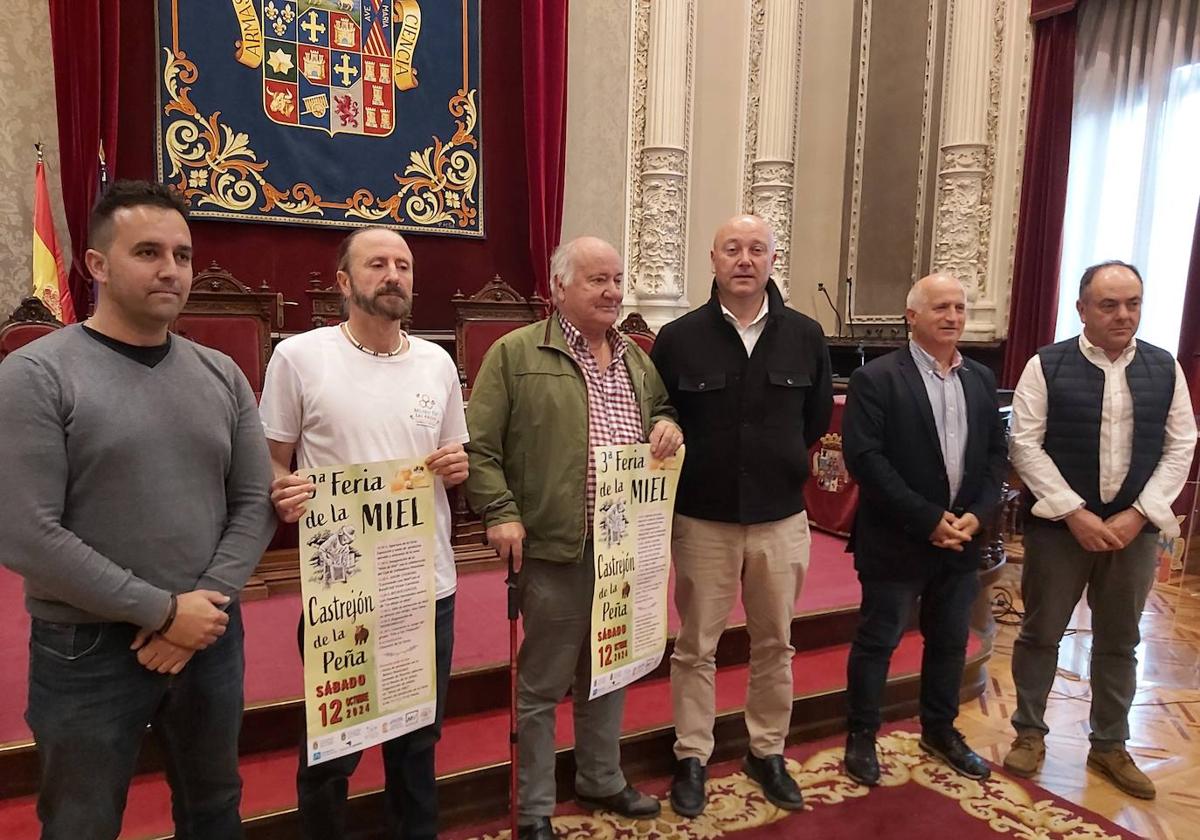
325	112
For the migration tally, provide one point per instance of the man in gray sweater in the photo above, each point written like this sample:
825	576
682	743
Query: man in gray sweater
135	507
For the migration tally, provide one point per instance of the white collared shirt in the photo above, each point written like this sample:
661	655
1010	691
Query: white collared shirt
948	401
1055	498
752	331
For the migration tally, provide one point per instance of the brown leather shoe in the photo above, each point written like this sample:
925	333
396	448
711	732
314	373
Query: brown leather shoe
1026	754
1118	766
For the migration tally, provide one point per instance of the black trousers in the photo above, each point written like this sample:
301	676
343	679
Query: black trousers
410	777
945	603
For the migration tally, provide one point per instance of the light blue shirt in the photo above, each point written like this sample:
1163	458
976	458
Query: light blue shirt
949	405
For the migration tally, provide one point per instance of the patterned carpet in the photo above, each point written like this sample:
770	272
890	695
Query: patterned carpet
918	798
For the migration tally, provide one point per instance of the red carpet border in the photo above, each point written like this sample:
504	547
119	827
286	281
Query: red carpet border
919	798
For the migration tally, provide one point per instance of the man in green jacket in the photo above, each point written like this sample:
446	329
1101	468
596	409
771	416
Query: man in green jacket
546	395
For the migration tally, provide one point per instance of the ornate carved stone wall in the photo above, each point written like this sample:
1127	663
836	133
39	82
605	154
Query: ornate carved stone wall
663	41
964	208
27	101
772	94
661	245
981	147
925	113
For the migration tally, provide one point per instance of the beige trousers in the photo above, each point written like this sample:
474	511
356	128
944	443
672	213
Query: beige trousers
769	560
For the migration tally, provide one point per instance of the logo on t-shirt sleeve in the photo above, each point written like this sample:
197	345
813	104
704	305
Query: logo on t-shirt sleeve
427	413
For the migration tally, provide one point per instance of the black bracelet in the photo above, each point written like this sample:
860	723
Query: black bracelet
170	615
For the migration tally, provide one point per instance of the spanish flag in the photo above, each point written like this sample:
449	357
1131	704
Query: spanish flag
49	278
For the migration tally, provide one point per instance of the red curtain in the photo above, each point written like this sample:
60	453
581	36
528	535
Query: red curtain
1034	305
84	37
1042	9
1189	360
544	48
1189	331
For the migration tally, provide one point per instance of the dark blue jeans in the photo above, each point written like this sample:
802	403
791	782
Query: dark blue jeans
946	599
410	778
90	702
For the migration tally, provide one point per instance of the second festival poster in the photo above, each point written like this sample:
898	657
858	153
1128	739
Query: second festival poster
635	501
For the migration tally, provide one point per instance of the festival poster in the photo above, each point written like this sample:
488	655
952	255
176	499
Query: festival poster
367	544
635	501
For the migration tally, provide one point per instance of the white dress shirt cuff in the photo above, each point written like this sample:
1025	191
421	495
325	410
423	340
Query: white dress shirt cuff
1158	514
1058	505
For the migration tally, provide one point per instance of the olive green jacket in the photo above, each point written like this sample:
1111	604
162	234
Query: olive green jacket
528	419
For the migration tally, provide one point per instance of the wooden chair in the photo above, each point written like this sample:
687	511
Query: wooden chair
226	315
30	320
495	310
635	328
328	307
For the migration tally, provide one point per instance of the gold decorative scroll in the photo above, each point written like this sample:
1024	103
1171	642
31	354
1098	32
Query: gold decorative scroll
250	48
408	28
215	166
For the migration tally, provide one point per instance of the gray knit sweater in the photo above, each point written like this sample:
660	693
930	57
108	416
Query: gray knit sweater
122	483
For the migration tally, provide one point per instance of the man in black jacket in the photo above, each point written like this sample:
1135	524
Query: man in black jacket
922	437
751	381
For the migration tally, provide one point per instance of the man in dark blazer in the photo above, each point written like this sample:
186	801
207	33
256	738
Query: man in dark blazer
923	438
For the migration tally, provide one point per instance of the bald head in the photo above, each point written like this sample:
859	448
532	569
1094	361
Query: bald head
375	233
936	310
929	285
747	224
375	273
742	255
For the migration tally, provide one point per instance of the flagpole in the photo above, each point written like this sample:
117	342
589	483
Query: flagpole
49	277
103	170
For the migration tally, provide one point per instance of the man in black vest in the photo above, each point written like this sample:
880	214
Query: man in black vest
922	437
751	381
1103	434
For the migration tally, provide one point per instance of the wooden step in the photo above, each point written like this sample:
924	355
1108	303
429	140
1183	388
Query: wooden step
267	727
473	755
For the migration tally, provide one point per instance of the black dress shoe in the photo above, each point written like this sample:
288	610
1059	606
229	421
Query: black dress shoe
688	796
950	747
862	763
778	786
628	803
540	830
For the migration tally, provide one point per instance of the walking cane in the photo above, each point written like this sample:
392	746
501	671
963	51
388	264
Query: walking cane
514	611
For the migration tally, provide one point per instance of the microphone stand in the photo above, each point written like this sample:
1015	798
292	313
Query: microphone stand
849	300
821	288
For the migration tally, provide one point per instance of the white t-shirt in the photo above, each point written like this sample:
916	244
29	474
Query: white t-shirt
340	405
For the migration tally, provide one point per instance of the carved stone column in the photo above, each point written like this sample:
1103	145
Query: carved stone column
773	89
963	223
662	74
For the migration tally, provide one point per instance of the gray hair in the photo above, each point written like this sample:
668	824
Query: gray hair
562	263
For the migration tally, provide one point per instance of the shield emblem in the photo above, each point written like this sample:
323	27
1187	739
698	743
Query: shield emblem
828	465
329	65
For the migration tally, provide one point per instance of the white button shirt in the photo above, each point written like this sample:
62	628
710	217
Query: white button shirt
1055	498
752	331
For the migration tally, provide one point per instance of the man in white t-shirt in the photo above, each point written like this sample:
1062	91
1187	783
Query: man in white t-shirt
359	392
